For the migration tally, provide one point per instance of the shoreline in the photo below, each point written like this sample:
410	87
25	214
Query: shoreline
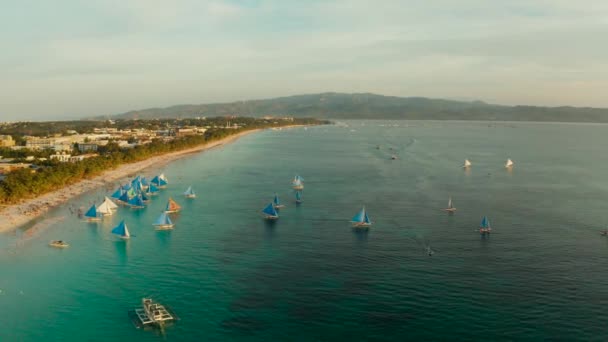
17	215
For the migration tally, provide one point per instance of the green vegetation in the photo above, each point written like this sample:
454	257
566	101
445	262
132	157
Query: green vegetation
27	183
371	106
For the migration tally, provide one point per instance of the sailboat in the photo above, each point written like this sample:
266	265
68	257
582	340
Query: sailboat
91	214
450	207
509	163
298	197
484	227
117	193
110	204
152	190
137	202
104	209
467	164
361	220
172	206
276	203
144	197
163	222
270	213
297	183
122	230
124	198
160	181
189	193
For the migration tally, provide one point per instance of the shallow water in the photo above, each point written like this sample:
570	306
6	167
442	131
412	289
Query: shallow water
231	276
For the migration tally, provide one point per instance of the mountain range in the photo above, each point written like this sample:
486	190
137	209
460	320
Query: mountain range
373	106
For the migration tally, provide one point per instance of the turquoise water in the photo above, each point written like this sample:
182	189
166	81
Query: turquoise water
231	276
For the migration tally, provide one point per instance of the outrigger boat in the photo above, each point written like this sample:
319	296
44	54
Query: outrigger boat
189	193
450	208
270	213
91	214
172	206
58	244
361	220
110	203
121	230
276	203
484	227
393	157
297	183
153	314
163	222
137	202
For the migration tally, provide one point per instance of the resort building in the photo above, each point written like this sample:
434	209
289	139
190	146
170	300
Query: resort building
35	143
86	147
61	157
6	141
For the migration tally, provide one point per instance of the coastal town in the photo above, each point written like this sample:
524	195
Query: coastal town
22	150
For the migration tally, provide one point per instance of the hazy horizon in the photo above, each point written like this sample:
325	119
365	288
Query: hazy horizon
72	59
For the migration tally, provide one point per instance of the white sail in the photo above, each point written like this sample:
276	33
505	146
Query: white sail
509	163
467	163
450	203
104	209
110	204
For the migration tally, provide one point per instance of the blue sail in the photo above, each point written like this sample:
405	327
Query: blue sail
270	210
153	189
485	223
276	200
137	186
155	180
92	212
162	182
189	191
126	186
121	229
136	201
298	195
360	217
117	194
163	219
144	181
144	197
124	197
367	219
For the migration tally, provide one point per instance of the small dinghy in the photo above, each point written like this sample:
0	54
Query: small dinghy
58	244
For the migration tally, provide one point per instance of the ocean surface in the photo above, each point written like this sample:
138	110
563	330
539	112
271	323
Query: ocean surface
231	276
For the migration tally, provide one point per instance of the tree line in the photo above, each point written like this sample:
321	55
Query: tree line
28	183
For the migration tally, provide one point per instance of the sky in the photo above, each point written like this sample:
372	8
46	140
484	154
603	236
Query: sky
72	58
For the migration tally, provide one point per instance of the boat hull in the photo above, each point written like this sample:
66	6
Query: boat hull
91	219
361	225
268	217
171	211
58	245
484	231
298	187
163	226
450	210
190	196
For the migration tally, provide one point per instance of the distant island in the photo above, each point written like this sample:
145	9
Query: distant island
373	106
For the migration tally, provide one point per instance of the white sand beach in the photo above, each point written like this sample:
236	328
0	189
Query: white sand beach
14	216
